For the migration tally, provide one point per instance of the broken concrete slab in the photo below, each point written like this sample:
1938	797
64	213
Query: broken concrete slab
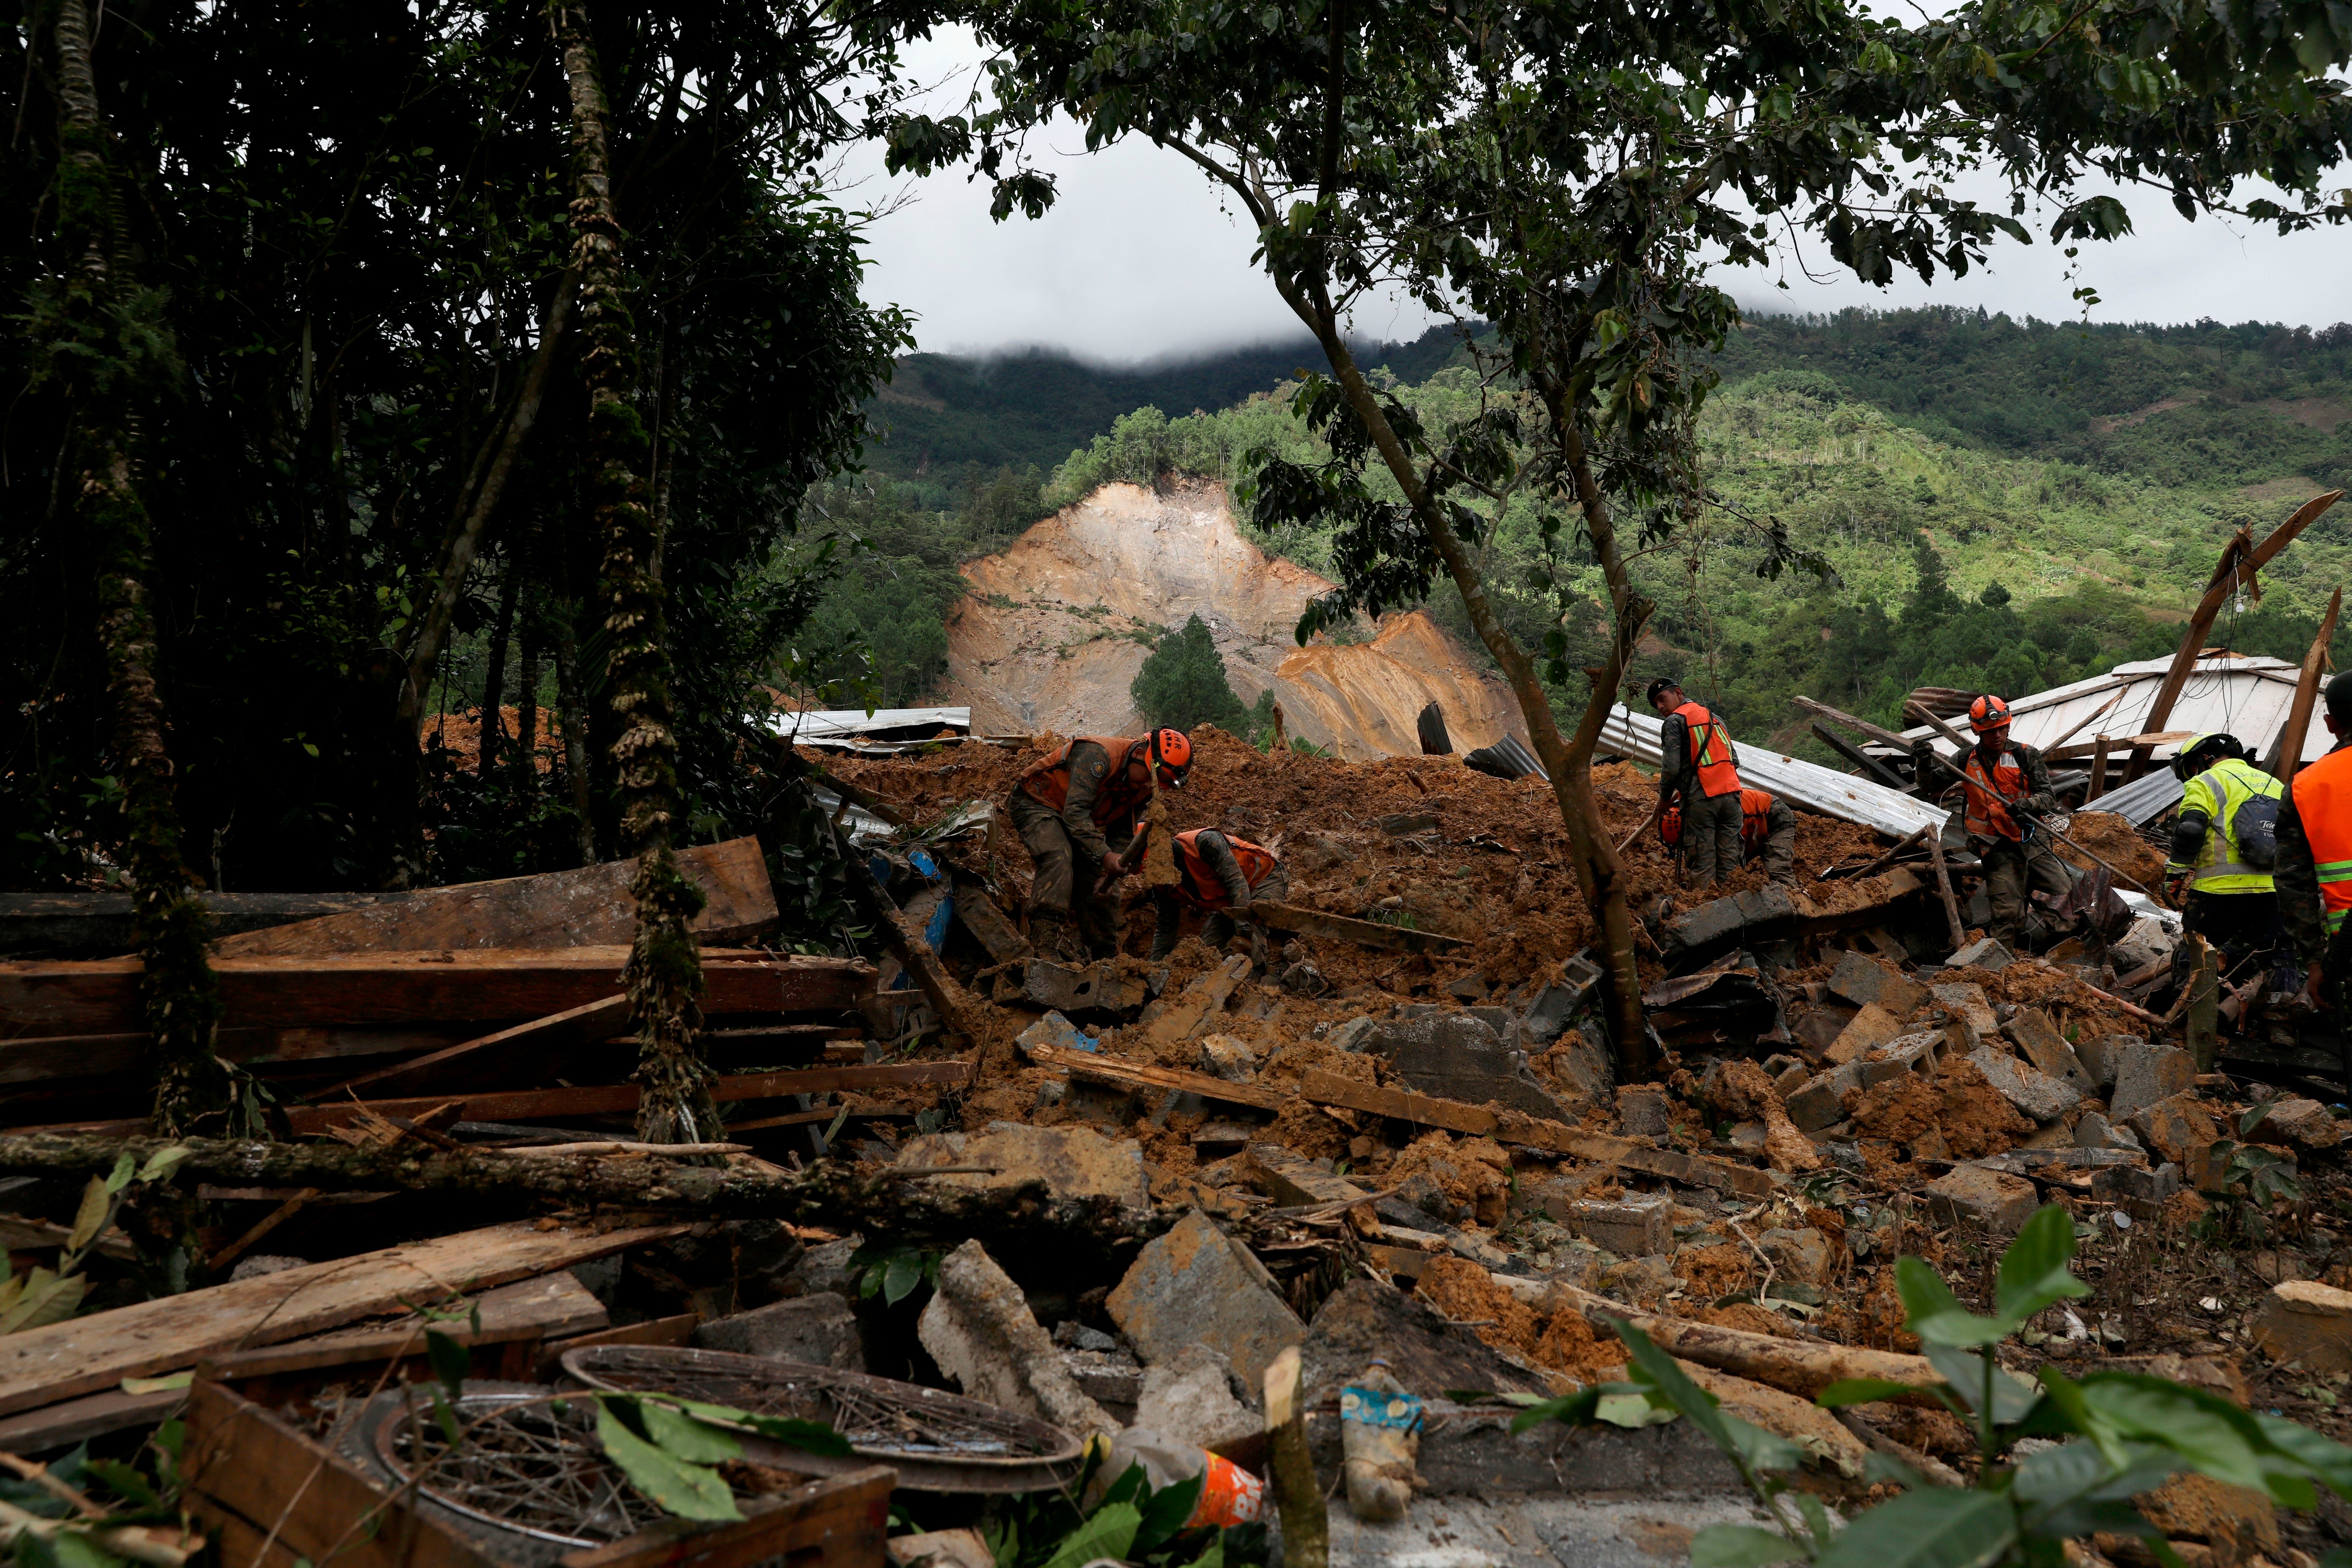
1457	1056
820	1330
1802	1253
1111	1378
1906	1053
2308	1323
1072	1162
1195	1396
2102	1054
2094	1131
1349	1036
1871	1027
1967	1005
1865	981
2027	1088
1629	1228
1973	1195
1054	1030
1645	1110
978	1328
1982	953
1821	1102
2147	1073
1231	1059
2134	1185
1097	988
1196	1285
2304	1123
2177	1128
2030	1029
1426	1352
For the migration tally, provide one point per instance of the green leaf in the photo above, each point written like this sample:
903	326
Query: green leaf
97	1204
157	1384
2327	1459
687	1490
1861	1390
681	1437
445	1411
1656	1369
75	1549
1934	1314
2211	1435
164	1162
900	1275
1108	1534
1884	1470
1933	1528
1214	1557
1633	1411
450	1361
47	1299
809	1436
2033	1272
125	1482
1964	1371
1166	1513
1570	1409
1741	1546
119	1177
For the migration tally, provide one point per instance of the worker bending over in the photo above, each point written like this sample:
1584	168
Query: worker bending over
1222	876
1076	811
2007	786
1699	773
2314	872
2224	845
1767	829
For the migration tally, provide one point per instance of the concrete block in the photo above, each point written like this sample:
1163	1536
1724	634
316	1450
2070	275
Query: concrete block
2148	1073
1549	1011
1195	1285
979	1328
1194	1397
2095	1131
2032	1091
1350	1036
1072	1162
2146	940
1457	1056
2304	1123
1722	919
2032	1031
1982	953
1644	1111
2102	1054
2175	1128
1054	1030
1822	1102
1872	1026
1972	1195
2131	1183
1865	981
1905	1053
820	1330
2308	1323
1629	1228
1967	1004
1095	988
1229	1059
1583	1064
1802	1253
1112	1379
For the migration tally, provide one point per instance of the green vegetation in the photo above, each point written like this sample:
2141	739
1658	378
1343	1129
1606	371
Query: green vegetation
1183	683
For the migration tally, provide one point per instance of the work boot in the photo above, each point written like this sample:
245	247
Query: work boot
1050	935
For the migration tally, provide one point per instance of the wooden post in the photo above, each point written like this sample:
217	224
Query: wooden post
2098	773
1306	1523
1944	884
2286	752
2204	1006
2239	562
1872	768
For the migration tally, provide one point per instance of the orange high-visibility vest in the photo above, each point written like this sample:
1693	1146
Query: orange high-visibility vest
1755	824
1201	886
2322	799
1989	792
1710	751
1117	800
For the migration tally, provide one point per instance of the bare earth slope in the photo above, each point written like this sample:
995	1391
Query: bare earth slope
1057	625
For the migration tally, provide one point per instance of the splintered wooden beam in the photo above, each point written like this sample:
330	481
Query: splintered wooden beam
1160	1081
1323	1087
2286	751
101	997
1871	767
570	1026
1369	933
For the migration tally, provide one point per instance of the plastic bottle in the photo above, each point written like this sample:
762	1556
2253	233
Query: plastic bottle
1380	1433
1230	1495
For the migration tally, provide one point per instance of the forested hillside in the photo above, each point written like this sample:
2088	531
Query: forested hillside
2003	505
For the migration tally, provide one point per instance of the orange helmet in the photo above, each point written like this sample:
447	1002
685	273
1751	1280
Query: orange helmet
1172	752
1987	712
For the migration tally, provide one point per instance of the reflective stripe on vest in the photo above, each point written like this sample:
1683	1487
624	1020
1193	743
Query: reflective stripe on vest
2323	800
1710	751
2221	838
1118	798
1201	885
1988	795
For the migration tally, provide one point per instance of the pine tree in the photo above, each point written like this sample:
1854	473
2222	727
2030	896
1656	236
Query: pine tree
1183	683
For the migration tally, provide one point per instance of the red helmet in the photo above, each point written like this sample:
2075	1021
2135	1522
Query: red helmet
1172	749
1987	712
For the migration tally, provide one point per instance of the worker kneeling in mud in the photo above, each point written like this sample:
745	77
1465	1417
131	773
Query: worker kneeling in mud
2007	790
2224	844
1222	876
1768	829
1076	810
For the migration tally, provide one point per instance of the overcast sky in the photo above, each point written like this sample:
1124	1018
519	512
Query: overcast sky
1139	259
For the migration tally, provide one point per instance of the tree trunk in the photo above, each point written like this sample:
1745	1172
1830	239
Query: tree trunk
180	994
665	974
493	728
571	715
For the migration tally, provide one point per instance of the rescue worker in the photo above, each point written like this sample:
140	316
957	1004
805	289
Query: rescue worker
2007	785
1222	876
1076	811
1699	773
1767	829
2314	872
2232	902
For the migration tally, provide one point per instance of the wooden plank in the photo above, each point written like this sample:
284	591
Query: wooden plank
2286	750
588	1099
836	1522
71	1421
987	923
1136	1075
568	1027
550	1306
1872	768
82	1355
101	997
677	1330
1324	1086
587	907
39	1059
100	922
1369	933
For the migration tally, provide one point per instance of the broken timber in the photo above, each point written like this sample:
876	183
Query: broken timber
1163	1080
570	1026
1323	1087
1369	933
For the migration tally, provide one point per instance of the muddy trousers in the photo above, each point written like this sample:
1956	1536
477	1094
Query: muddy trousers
2240	924
1063	883
2011	869
1221	927
1711	836
1780	845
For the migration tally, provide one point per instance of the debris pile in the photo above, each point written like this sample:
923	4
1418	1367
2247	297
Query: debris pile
986	1235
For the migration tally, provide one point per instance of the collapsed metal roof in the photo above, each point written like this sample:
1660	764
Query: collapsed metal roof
2246	695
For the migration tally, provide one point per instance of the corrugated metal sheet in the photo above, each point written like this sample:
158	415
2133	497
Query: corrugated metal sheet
2246	695
822	724
1809	784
